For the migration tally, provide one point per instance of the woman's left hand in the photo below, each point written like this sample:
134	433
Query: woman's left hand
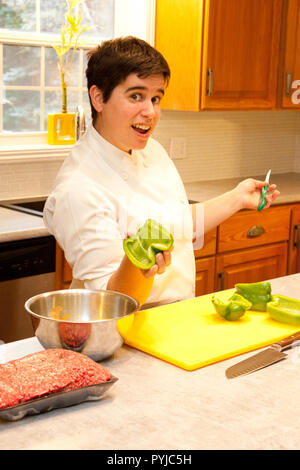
250	193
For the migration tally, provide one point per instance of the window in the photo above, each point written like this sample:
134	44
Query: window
30	78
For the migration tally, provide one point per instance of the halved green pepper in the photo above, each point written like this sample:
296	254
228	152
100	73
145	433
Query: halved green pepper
284	309
258	293
233	308
149	240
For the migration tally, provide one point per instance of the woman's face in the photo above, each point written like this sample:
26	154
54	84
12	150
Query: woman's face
130	115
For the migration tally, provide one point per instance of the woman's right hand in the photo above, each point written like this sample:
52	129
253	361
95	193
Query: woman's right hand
163	259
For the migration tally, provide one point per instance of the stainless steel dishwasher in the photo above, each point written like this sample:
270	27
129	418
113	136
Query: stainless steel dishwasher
27	268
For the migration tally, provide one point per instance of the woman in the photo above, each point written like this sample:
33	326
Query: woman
117	176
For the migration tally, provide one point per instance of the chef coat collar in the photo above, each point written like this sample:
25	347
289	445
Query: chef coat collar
112	149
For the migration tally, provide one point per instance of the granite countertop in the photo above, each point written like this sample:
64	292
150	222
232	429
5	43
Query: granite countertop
15	225
287	183
156	405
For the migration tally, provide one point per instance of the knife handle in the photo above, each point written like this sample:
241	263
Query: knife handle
286	343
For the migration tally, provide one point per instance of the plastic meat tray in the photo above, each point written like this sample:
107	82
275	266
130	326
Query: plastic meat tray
56	400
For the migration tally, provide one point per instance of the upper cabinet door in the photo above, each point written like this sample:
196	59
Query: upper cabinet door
240	54
290	89
179	38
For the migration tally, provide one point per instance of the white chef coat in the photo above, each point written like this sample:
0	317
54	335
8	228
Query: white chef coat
102	194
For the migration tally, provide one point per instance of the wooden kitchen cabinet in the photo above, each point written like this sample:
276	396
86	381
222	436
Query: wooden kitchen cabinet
294	243
253	246
240	54
209	246
250	228
205	275
178	36
223	54
205	264
251	265
290	70
63	272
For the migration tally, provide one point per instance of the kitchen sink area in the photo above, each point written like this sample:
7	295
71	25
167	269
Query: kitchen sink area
28	207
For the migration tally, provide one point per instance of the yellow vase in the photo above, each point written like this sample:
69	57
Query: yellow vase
61	129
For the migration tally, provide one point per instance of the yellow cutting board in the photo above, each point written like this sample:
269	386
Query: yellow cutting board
190	334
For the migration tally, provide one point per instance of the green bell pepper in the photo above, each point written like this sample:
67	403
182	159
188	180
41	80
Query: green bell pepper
149	240
233	308
258	293
284	309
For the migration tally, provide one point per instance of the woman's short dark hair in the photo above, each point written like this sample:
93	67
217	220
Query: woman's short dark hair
110	63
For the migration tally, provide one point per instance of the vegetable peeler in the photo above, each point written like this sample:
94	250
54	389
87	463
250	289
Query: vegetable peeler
264	191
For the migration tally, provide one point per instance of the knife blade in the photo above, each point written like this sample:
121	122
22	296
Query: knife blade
264	358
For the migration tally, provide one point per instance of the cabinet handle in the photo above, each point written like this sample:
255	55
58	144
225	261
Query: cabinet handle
255	231
297	236
210	81
288	83
222	279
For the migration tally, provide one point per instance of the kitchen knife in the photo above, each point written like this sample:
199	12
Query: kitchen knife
263	358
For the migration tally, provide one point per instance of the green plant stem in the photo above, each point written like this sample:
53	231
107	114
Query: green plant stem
73	54
64	93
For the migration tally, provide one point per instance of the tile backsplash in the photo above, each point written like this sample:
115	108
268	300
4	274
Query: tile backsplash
27	179
297	145
233	143
218	145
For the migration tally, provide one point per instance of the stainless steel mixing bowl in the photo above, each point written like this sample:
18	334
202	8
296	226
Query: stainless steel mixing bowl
80	319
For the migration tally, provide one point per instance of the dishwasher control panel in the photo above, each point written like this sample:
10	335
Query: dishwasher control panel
29	257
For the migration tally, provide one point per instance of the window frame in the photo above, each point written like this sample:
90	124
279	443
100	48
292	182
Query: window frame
20	145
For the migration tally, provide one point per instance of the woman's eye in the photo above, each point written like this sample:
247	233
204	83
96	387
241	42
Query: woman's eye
140	97
136	96
156	99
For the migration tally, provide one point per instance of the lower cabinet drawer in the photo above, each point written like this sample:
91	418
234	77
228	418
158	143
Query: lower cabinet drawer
252	228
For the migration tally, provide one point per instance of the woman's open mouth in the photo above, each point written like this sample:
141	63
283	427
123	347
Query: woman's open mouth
141	129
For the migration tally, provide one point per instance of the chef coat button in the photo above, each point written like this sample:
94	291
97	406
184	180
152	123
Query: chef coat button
125	176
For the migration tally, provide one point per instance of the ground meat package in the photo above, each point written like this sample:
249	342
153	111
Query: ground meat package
50	379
